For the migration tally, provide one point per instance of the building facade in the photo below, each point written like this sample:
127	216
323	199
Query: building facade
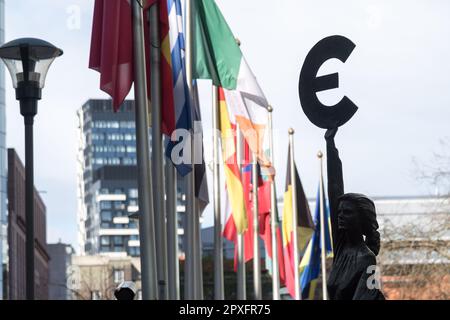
60	262
96	277
17	235
107	180
3	171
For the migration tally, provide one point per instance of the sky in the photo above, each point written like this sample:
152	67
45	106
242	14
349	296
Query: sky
397	75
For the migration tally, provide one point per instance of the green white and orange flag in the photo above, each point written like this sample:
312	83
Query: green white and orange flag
235	190
217	56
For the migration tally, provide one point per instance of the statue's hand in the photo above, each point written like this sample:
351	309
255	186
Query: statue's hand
329	135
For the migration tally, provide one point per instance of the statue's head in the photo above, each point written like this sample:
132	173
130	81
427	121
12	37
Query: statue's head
357	216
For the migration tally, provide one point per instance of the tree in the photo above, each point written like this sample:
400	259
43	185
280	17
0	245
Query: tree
415	254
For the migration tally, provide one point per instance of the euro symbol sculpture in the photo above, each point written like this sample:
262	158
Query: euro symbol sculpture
323	116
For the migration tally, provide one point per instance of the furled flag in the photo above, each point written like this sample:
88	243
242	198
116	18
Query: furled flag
217	56
305	225
201	182
310	264
111	54
233	181
180	89
230	230
266	232
112	48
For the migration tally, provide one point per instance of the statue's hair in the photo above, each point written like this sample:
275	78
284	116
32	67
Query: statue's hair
368	219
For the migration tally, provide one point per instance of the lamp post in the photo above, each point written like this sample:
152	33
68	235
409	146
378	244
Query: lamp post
28	61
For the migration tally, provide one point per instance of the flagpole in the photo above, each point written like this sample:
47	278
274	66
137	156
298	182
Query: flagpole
322	231
273	218
190	272
198	257
241	278
256	253
218	243
294	217
172	231
157	154
146	222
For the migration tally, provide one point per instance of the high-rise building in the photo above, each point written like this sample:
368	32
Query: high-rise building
3	174
108	179
59	277
17	234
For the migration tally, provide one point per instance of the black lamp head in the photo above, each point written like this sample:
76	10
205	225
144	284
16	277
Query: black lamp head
28	60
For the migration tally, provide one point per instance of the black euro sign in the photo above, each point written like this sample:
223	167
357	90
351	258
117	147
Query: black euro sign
325	117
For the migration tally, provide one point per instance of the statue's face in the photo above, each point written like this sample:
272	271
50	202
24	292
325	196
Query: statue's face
348	216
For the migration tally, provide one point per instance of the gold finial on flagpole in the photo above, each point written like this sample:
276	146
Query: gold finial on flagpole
269	108
291	131
319	154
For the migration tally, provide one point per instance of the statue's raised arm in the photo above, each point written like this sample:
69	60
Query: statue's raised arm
335	180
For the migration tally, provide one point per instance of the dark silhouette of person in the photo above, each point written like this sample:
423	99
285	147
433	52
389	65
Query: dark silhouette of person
356	241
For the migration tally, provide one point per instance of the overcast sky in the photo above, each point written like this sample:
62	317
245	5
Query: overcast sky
397	75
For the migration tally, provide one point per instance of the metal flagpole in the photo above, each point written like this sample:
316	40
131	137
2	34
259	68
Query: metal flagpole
198	258
294	217
146	222
197	225
172	231
191	216
241	278
218	242
273	219
157	153
322	232
256	254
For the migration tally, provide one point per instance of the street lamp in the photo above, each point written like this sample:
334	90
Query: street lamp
28	61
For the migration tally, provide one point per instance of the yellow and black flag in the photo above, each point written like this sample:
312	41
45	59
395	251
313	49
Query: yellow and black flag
305	224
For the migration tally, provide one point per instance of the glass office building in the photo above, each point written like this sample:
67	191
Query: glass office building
107	176
107	181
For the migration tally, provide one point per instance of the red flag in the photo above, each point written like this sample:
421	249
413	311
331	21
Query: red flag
112	48
112	54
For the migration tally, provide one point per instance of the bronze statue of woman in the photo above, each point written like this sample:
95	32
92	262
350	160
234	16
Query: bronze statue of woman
356	241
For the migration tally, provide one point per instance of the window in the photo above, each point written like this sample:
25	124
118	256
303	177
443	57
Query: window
113	124
119	205
133	203
106	215
105	205
134	237
132	225
119	214
96	295
127	161
118	240
105	249
133	193
131	149
133	251
104	240
105	225
119	276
